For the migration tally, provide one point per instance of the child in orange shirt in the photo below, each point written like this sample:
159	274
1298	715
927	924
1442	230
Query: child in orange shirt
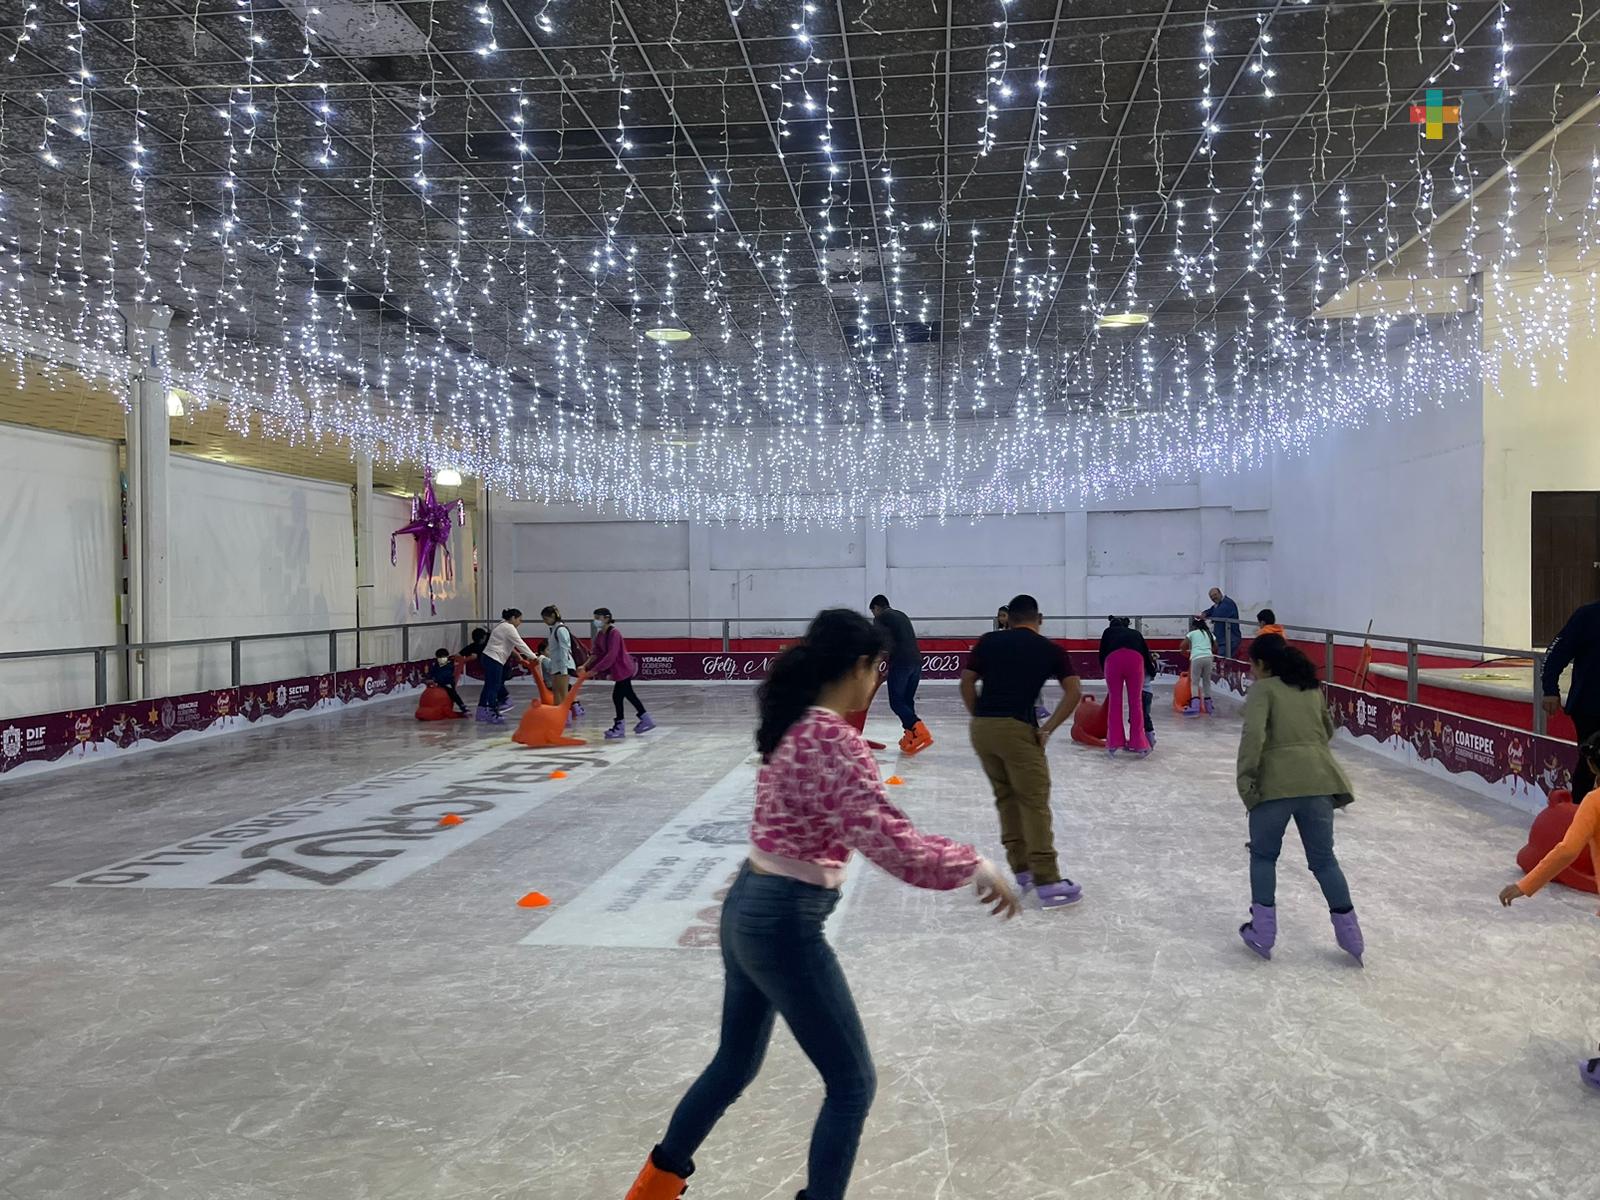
1584	831
1269	624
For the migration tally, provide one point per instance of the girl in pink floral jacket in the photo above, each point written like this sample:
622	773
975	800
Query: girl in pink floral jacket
818	798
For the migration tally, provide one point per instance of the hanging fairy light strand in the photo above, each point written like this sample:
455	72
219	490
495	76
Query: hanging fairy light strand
445	266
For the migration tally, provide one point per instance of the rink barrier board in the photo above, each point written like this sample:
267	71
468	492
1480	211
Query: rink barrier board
1509	763
98	732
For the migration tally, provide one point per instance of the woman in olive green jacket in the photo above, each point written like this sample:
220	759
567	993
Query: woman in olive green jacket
1287	773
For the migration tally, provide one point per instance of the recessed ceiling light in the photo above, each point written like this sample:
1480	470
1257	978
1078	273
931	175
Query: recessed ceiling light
1123	320
448	477
667	333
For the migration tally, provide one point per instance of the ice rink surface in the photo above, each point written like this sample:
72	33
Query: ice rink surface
313	993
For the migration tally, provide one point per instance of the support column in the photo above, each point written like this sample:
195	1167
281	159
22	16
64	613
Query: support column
875	547
1075	572
701	582
366	562
149	509
484	532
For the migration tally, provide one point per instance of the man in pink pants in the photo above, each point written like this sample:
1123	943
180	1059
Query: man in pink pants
1124	654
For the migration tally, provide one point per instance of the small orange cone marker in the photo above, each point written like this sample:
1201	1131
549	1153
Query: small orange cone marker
895	781
533	900
450	819
558	774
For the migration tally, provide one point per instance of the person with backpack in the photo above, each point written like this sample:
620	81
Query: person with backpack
563	654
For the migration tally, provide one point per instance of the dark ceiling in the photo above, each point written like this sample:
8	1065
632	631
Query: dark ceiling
670	146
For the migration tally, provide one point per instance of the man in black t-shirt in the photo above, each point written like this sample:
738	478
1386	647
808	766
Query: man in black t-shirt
1013	664
905	672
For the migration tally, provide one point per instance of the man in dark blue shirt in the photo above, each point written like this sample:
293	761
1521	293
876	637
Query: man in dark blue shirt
1224	617
905	672
1578	643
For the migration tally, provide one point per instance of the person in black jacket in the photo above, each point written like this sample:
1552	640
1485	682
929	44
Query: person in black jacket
1127	662
443	673
1578	643
904	672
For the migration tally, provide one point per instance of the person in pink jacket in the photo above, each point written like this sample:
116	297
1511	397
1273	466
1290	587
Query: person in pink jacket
609	659
818	798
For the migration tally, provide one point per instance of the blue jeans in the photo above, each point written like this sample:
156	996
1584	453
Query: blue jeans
494	682
902	684
778	963
1313	816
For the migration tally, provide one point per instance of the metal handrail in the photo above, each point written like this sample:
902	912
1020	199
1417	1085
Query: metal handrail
1413	645
234	642
122	647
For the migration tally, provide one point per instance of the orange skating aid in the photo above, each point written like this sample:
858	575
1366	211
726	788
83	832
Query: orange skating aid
1549	827
859	720
1089	722
1182	693
450	819
434	704
545	723
533	900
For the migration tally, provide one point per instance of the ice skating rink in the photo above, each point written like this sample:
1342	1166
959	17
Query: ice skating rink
341	1001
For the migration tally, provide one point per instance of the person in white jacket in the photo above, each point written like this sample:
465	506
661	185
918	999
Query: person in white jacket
504	641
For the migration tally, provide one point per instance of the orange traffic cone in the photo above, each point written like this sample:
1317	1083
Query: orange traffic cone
545	723
558	774
533	900
450	819
895	781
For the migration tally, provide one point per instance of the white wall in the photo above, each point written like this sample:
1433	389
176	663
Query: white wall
1543	438
1154	551
255	552
1384	523
61	543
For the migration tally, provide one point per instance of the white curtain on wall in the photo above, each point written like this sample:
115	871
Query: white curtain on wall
391	601
61	546
254	552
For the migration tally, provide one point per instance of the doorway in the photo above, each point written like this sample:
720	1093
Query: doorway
1566	558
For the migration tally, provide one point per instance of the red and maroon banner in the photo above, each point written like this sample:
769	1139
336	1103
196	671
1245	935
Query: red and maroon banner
112	728
1513	758
733	666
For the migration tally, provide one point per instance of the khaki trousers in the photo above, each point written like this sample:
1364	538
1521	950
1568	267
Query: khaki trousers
1020	775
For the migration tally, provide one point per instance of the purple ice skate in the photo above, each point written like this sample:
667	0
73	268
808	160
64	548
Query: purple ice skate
1589	1072
1261	930
1054	896
616	732
646	723
1347	932
1024	882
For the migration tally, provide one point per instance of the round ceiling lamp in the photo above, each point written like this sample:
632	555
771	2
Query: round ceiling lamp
447	477
668	333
